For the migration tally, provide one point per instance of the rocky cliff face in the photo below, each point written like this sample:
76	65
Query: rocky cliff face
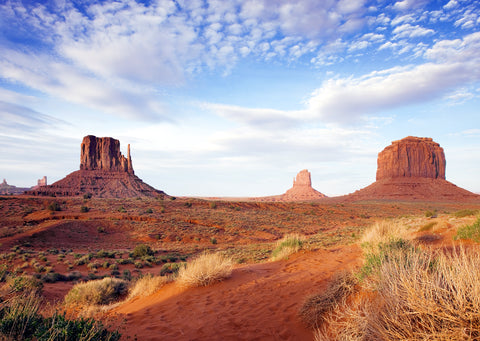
412	157
103	153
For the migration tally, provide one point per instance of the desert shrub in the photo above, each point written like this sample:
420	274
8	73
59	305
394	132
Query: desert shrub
54	206
465	213
205	269
170	268
149	211
105	254
316	307
213	205
138	264
147	285
84	209
213	240
381	233
289	244
469	231
127	275
121	209
23	284
3	272
87	196
20	320
53	277
96	292
188	204
142	250
431	214
418	295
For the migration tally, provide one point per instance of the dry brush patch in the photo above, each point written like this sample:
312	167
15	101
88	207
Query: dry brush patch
147	285
205	270
288	245
412	294
97	292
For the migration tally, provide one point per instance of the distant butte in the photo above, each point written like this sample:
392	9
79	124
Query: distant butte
412	168
302	189
104	172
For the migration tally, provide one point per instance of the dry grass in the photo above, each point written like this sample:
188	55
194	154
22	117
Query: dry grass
420	296
382	232
288	245
96	292
147	285
205	270
316	307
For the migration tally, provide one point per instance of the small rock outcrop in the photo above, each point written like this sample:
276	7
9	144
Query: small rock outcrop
103	153
412	157
412	169
104	172
302	189
6	189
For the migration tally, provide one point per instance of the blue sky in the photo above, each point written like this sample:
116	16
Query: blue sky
233	98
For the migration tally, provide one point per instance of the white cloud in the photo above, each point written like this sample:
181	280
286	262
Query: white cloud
409	31
451	4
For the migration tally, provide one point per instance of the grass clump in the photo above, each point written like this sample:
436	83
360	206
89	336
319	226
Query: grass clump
465	213
20	320
96	292
469	232
142	250
205	270
147	285
289	244
316	307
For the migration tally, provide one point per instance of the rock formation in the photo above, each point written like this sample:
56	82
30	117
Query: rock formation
6	189
411	157
103	153
104	172
412	168
302	189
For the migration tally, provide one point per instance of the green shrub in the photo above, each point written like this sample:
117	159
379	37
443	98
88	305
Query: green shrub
213	205
84	209
54	206
87	196
469	232
24	284
213	240
142	250
288	245
170	268
431	214
149	211
96	292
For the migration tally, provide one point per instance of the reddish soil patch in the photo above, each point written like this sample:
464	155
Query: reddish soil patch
259	302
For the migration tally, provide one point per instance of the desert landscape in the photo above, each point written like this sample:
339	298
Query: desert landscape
297	266
193	170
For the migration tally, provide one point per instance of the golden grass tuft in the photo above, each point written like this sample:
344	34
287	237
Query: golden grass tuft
98	292
383	232
419	295
147	285
204	270
288	245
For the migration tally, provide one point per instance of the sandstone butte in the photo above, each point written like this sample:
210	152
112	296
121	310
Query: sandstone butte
302	189
104	172
412	168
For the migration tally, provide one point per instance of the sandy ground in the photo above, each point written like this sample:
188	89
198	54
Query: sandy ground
259	302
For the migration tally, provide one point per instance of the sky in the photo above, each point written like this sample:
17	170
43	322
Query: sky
234	98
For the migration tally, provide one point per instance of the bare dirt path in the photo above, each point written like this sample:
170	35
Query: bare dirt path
259	302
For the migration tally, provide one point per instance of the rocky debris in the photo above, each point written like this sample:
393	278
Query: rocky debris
104	172
412	157
103	153
302	189
6	189
412	169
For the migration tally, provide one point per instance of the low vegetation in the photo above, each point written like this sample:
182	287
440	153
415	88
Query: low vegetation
205	270
410	294
96	292
288	245
470	231
147	285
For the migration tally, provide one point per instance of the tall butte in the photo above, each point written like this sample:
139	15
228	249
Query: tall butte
104	172
302	189
412	168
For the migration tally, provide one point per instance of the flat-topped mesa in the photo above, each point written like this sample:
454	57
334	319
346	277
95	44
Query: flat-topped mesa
103	153
412	157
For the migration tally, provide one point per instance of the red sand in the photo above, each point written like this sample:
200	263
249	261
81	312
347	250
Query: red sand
259	302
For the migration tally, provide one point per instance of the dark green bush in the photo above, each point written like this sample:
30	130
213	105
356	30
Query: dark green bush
142	250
